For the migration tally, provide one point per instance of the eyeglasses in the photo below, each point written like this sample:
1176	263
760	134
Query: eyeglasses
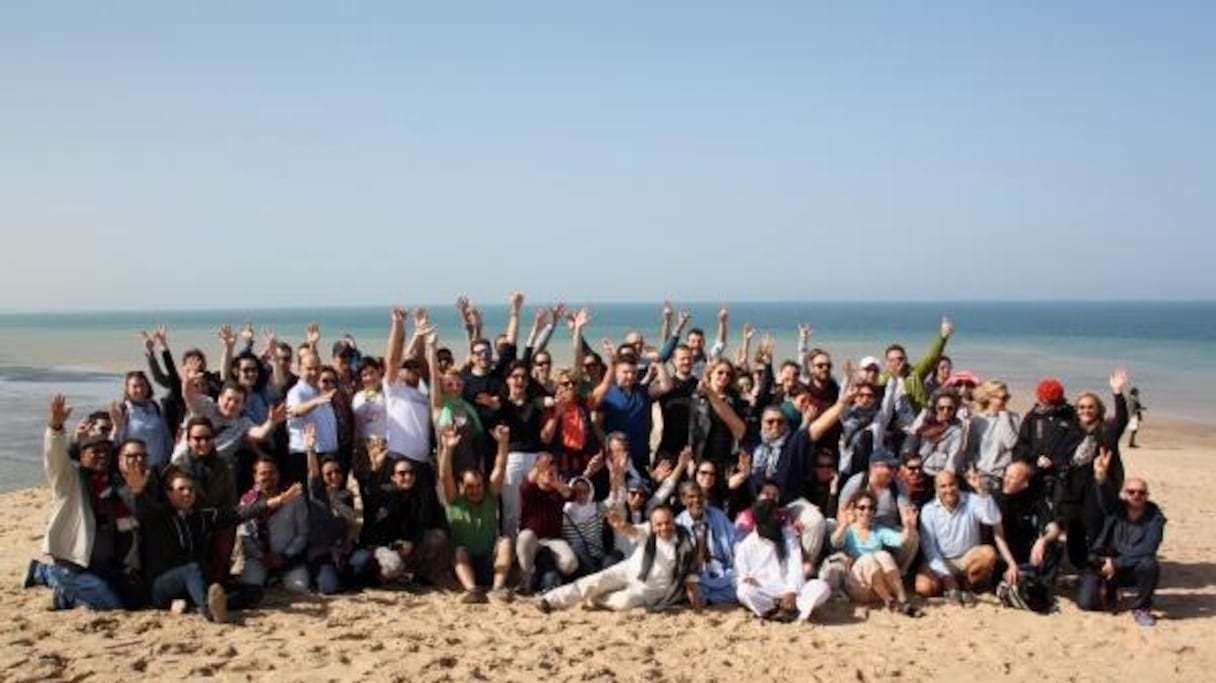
248	370
863	508
913	468
201	437
481	353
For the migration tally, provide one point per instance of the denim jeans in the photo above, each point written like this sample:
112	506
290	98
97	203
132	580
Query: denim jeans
74	587
180	582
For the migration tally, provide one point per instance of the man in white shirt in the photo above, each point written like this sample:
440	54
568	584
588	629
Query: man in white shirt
308	404
657	575
768	570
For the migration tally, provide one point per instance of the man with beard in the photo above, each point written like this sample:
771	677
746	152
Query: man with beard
768	566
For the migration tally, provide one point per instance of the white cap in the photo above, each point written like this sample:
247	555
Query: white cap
868	361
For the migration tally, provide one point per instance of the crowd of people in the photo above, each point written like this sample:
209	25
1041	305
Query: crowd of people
652	476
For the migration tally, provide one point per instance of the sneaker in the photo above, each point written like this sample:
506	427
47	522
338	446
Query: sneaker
909	610
179	606
217	604
500	595
473	597
544	606
31	575
1144	617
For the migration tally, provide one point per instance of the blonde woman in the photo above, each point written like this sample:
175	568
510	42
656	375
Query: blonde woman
993	432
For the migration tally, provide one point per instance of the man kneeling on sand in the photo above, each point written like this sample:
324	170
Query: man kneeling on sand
956	562
177	536
659	574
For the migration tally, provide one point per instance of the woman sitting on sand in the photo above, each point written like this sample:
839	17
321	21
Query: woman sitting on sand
873	572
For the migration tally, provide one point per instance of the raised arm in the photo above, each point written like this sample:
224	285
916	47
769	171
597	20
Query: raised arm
723	410
723	325
828	418
512	332
929	363
275	417
228	341
395	351
432	360
577	324
313	336
601	389
668	316
663	382
502	437
158	375
448	441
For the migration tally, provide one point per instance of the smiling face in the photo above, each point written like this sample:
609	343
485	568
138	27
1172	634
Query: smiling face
310	369
663	524
1089	410
180	492
773	424
721	376
947	489
821	368
231	402
247	372
694	501
897	362
137	388
683	361
266	477
369	377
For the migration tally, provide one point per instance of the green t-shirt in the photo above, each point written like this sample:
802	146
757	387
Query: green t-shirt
474	527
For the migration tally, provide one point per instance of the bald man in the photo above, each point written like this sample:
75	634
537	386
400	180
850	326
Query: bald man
957	562
1125	553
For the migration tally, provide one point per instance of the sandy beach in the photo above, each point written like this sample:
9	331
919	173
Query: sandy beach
387	635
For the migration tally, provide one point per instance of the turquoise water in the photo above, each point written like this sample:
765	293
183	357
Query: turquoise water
1167	345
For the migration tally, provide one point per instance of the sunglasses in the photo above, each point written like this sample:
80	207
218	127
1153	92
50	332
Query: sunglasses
481	353
863	508
403	473
913	468
1135	492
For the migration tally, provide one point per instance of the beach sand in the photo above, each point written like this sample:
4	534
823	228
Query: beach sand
386	635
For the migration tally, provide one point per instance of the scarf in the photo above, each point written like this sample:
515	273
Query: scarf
766	457
581	513
932	431
259	524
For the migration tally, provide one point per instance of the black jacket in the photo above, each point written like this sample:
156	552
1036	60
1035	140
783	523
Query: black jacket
170	539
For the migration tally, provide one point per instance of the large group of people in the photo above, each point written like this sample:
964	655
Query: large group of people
656	476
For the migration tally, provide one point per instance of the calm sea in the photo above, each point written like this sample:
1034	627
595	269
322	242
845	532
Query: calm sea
1167	345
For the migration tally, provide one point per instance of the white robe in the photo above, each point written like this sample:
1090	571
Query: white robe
618	587
756	559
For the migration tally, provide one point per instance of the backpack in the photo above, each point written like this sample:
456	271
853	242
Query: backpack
1031	593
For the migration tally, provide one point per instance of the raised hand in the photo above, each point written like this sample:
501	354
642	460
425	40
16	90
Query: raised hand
909	516
745	463
278	413
247	334
313	336
723	314
502	434
668	311
749	331
421	316
1102	464
594	465
947	328
766	348
683	318
377	452
450	438
662	470
149	342
976	481
59	412
270	339
161	336
227	336
462	305
517	300
1119	380
684	459
310	436
118	415
295	491
608	348
804	334
581	319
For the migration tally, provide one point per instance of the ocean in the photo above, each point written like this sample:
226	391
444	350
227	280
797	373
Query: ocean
1168	347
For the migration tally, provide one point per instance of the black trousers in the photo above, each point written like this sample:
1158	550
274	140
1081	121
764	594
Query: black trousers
1144	576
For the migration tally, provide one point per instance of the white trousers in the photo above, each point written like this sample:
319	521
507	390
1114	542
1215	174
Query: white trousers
763	598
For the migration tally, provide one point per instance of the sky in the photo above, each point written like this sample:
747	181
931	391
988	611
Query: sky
238	154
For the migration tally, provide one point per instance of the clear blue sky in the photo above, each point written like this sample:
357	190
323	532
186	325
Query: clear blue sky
165	155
